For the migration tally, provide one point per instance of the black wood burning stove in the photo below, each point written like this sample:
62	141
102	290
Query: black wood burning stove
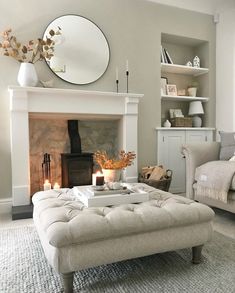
77	167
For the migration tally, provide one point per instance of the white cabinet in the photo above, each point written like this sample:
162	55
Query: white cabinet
169	145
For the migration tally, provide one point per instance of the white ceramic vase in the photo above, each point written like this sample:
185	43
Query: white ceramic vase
27	75
111	175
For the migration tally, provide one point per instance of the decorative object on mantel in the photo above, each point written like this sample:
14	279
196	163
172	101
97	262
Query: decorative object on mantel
27	75
117	81
195	109
112	167
127	76
196	62
28	54
47	83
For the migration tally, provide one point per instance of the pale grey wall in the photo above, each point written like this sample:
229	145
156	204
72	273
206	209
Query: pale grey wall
133	29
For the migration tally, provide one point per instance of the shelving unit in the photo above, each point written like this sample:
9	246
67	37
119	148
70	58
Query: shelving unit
183	69
184	98
170	140
182	50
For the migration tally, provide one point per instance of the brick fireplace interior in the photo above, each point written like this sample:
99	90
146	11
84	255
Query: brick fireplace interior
51	136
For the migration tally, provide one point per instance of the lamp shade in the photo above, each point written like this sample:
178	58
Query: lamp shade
195	108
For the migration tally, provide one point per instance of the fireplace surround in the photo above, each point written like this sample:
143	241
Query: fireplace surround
27	102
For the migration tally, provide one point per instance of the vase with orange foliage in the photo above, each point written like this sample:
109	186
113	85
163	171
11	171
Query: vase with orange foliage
112	167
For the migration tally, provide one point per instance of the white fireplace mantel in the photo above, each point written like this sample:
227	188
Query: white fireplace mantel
25	101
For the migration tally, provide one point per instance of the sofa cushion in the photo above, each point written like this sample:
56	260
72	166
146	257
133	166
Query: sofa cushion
227	149
65	220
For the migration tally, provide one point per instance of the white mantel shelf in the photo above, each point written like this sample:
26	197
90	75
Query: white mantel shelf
70	101
32	102
44	90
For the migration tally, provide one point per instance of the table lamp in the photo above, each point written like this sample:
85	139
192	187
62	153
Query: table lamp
195	109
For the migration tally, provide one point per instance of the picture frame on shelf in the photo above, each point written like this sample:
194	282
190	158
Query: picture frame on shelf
175	113
164	82
171	90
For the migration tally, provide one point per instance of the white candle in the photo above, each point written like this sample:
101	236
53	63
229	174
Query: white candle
116	73
56	186
127	65
46	185
93	179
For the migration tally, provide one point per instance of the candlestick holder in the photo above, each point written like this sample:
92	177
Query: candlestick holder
117	82
46	167
127	81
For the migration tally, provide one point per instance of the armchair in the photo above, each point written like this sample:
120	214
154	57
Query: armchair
197	154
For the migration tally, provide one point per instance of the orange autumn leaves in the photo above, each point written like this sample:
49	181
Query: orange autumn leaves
123	160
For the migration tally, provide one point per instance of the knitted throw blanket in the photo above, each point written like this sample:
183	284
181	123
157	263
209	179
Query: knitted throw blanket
214	179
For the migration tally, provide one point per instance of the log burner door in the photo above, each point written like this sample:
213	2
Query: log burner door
76	169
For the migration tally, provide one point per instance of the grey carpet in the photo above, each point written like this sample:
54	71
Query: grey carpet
24	269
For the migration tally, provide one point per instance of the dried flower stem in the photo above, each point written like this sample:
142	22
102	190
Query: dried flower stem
124	159
33	51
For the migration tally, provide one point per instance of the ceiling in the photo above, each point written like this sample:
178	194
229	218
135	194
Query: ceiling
203	6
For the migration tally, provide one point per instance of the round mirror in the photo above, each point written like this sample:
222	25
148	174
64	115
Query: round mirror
81	53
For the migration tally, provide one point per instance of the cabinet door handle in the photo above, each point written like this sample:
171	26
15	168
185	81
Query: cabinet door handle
206	137
163	139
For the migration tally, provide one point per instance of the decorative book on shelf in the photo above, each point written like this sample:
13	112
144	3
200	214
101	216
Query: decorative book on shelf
91	198
165	56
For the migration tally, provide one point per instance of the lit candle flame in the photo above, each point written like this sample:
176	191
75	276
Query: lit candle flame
56	186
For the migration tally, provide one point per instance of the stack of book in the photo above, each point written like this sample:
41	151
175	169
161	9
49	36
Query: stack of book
165	56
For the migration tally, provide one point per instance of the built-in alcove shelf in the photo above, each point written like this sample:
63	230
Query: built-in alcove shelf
183	69
184	98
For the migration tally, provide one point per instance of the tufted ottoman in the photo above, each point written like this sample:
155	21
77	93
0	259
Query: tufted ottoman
75	237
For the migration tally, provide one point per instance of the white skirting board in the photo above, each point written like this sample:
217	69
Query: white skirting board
5	205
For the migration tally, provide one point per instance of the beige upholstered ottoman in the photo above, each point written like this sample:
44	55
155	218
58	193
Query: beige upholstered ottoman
75	237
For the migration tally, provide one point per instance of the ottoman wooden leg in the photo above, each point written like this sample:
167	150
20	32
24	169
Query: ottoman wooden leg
197	252
68	282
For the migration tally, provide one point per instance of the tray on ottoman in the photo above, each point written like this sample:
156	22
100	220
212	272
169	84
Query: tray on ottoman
90	198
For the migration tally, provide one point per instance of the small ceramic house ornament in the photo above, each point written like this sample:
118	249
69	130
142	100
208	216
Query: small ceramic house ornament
196	61
189	63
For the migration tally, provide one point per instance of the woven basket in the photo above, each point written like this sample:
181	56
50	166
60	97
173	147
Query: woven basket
182	122
163	184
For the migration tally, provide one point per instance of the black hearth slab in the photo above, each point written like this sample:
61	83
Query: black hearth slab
22	212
